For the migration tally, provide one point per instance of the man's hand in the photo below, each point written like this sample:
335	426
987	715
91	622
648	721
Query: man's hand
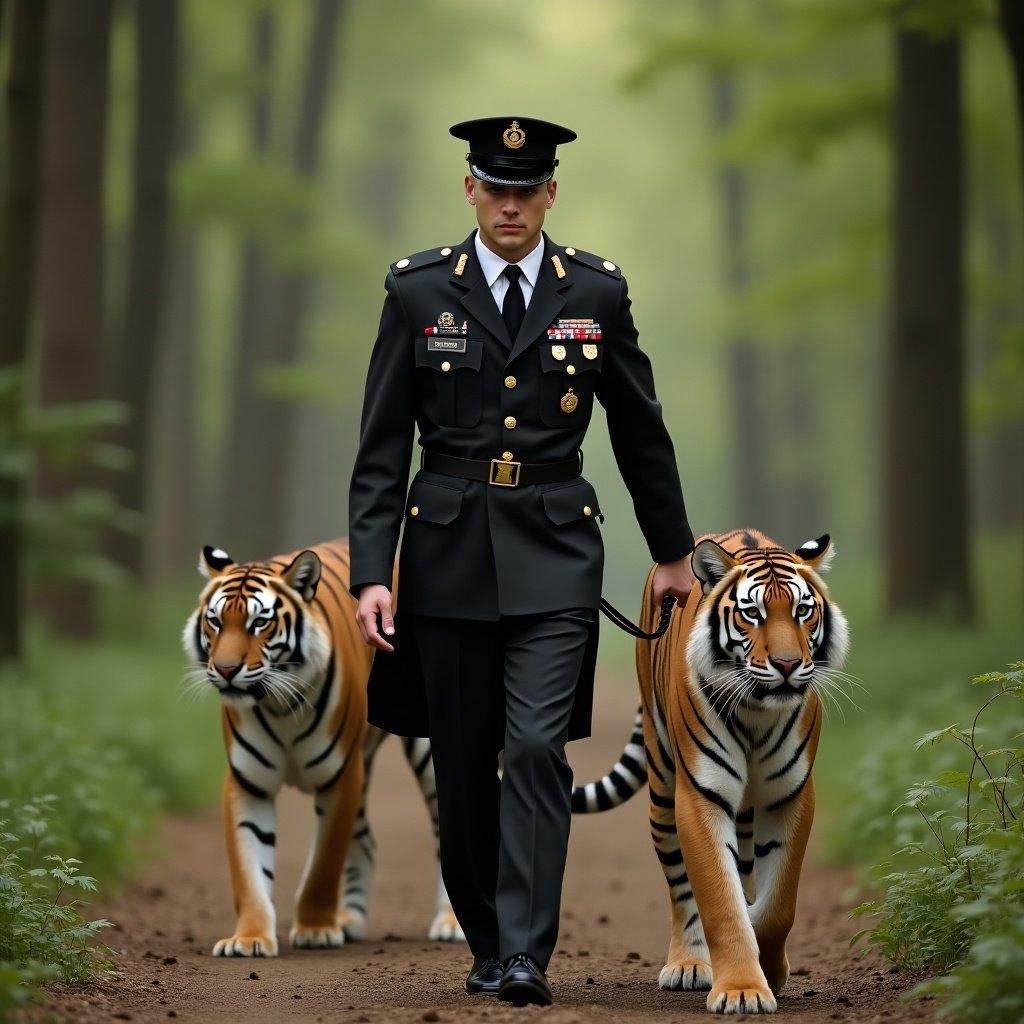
673	578
374	598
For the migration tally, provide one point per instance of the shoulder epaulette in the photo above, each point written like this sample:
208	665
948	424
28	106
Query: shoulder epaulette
597	262
421	259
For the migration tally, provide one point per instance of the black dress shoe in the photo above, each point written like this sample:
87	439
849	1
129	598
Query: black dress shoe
484	978
523	982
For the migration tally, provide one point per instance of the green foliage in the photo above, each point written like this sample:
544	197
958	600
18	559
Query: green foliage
43	936
954	898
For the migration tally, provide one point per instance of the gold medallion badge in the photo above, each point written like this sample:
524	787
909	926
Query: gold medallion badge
513	136
558	351
569	401
590	351
446	322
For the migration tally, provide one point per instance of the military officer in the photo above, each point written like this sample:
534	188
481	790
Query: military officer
494	350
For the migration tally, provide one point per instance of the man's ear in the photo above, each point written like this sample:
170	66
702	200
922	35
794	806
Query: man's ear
303	574
818	554
213	561
470	187
710	563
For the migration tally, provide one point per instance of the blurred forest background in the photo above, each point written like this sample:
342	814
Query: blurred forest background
818	206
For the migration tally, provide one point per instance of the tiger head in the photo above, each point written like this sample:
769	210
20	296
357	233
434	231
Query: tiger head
253	635
765	629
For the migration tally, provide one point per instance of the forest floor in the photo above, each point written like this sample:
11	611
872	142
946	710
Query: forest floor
613	937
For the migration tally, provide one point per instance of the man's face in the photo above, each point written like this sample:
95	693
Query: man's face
510	219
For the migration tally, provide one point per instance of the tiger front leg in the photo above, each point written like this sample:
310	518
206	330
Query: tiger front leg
779	854
250	837
707	831
321	919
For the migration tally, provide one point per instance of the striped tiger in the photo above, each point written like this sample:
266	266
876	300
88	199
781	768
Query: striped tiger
279	641
730	714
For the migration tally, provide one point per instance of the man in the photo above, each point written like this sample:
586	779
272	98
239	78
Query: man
495	349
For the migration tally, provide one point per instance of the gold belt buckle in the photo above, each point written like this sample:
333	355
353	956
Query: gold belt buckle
502	474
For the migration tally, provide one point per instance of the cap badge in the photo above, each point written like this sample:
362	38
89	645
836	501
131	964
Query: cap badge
513	136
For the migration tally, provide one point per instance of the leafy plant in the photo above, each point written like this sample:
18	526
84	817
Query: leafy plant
956	906
43	936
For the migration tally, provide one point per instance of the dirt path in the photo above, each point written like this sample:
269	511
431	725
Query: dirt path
614	929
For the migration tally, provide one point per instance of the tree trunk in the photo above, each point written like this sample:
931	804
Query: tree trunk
71	251
1011	20
285	323
925	481
750	446
157	64
253	414
18	225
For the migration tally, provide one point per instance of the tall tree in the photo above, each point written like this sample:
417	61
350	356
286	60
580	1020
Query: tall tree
156	51
71	251
925	503
18	225
261	442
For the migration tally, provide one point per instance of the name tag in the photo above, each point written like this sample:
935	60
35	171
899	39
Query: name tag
446	344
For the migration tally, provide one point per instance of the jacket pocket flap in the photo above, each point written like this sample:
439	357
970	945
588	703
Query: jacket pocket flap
564	504
435	359
434	503
575	356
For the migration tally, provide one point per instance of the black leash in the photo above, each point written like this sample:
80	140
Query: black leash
620	620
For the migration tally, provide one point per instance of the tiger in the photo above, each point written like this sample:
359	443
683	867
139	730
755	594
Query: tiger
279	642
731	701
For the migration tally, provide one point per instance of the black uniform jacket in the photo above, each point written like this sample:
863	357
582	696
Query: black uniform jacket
443	363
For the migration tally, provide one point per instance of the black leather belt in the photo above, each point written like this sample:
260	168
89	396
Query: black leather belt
501	472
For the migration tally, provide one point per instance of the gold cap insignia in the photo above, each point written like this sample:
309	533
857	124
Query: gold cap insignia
513	136
568	401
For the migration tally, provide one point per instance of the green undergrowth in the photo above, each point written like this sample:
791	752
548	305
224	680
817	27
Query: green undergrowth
951	893
96	740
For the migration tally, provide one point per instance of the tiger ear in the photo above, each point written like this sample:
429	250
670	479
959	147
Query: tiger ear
213	561
710	563
303	574
818	554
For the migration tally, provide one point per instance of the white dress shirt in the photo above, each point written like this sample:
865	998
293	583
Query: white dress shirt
494	266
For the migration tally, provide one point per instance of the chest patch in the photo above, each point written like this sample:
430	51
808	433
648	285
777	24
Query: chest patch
446	344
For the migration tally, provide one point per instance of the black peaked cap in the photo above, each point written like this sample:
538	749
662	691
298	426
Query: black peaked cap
517	151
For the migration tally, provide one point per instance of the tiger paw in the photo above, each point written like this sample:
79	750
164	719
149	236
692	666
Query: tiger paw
317	936
352	923
446	928
247	945
685	973
745	999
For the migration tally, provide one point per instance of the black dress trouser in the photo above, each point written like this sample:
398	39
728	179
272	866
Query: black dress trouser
510	684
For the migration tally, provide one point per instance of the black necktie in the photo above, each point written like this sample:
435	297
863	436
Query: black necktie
514	307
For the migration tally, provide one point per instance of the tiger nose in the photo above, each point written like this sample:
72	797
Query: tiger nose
785	665
228	671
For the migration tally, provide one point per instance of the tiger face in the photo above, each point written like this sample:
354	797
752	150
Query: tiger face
253	633
765	630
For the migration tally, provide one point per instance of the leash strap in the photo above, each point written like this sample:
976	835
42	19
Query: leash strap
620	620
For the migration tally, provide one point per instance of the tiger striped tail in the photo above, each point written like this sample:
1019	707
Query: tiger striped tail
626	777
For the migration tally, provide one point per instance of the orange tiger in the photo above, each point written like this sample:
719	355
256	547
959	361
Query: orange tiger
279	641
731	705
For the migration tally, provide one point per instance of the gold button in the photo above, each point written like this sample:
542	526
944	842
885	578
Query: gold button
587	510
446	251
608	266
415	510
510	422
569	251
507	456
402	263
510	382
446	366
570	368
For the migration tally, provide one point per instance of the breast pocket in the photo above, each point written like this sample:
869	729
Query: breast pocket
569	374
449	382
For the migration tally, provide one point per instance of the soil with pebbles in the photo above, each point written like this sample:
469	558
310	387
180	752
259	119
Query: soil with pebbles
613	937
